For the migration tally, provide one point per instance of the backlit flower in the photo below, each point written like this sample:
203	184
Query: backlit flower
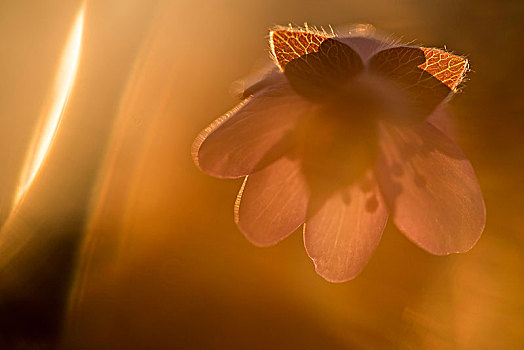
344	131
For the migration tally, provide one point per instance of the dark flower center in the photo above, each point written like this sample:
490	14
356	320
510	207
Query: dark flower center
338	140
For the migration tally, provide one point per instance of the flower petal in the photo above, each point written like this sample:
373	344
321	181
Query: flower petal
288	44
272	202
427	75
342	235
431	188
252	135
324	74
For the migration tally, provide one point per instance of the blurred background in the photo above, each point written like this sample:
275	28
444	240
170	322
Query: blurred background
112	238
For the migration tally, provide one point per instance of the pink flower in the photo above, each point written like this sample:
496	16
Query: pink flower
341	133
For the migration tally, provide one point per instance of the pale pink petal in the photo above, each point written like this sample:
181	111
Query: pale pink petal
272	202
342	235
430	188
252	135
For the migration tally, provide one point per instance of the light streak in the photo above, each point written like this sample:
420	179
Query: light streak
53	109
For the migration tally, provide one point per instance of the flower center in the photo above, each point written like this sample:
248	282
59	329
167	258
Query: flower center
338	143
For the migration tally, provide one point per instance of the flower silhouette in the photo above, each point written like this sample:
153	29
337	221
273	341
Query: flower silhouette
341	133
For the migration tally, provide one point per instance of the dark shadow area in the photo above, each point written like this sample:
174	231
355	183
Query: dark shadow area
321	76
404	65
32	311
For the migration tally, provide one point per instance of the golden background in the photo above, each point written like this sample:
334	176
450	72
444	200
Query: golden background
122	243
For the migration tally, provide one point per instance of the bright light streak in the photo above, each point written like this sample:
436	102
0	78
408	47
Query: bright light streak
53	108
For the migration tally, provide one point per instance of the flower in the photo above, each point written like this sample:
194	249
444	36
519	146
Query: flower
341	133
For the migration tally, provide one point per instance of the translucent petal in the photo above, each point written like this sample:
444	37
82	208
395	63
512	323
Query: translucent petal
288	44
252	135
342	235
272	202
430	188
428	76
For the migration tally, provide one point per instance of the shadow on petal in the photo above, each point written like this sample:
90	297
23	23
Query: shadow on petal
318	76
342	234
435	199
427	76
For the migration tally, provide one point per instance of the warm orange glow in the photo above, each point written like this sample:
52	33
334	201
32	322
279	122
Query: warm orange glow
120	241
53	108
